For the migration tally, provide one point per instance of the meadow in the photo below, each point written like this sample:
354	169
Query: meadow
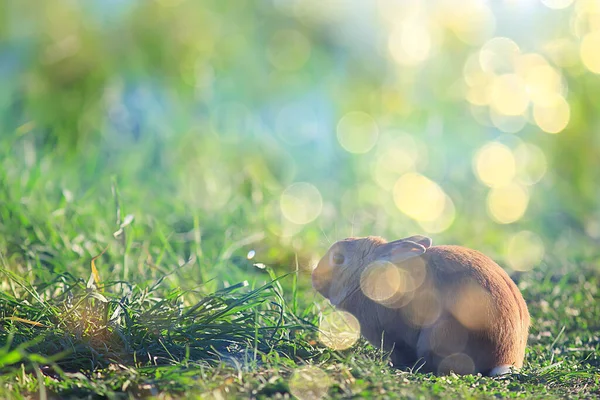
171	171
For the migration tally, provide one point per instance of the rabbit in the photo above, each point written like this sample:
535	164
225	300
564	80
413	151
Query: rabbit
434	308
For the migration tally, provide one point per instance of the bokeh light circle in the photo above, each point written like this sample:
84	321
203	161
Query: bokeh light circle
392	162
508	95
424	309
472	22
357	132
542	82
444	220
507	204
309	382
410	43
553	116
419	197
301	203
498	55
589	53
339	330
531	163
507	123
381	281
495	165
524	250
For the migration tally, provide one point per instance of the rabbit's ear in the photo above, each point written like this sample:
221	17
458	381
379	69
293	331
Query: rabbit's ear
422	240
399	250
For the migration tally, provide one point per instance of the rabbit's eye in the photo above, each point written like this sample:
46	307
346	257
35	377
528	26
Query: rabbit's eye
337	258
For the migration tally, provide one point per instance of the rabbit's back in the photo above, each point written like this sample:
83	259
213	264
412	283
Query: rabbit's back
479	294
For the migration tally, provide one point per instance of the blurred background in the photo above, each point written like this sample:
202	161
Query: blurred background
235	133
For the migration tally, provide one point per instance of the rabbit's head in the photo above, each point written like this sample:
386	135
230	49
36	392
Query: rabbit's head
338	274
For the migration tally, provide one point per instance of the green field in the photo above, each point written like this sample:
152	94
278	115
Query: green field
171	171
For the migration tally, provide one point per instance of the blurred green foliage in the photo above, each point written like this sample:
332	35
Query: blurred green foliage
205	113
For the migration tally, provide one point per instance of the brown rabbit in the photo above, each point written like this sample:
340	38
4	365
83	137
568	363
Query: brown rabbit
440	308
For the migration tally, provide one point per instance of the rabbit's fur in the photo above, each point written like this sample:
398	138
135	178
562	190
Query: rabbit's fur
458	312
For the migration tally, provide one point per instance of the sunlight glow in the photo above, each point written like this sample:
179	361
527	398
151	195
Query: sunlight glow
507	123
301	203
382	281
507	204
424	309
444	220
419	197
542	81
339	330
511	83
531	163
357	132
309	382
554	115
474	307
472	22
495	165
410	42
498	55
590	55
509	94
393	162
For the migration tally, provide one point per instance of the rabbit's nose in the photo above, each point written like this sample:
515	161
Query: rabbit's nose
321	280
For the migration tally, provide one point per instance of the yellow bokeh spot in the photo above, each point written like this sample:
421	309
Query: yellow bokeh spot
288	50
524	250
478	95
419	197
508	95
557	4
498	55
525	62
531	163
309	382
563	52
357	132
393	162
495	165
339	330
301	203
507	204
473	73
383	281
410	42
472	22
553	116
444	221
424	309
542	81
589	51
473	306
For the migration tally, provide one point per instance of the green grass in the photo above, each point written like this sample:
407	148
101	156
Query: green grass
177	309
144	150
